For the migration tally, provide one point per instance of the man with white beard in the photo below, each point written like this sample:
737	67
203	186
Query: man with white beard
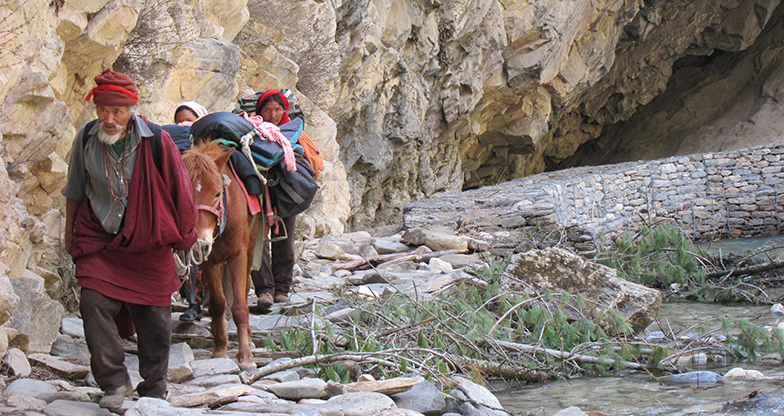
128	204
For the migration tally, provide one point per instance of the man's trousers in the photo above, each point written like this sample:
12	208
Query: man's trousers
153	328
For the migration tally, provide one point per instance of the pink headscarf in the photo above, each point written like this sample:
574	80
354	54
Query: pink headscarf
193	106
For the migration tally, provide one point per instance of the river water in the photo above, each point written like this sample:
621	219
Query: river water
742	245
638	393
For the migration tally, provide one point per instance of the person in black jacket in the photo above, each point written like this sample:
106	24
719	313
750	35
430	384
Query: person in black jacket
273	280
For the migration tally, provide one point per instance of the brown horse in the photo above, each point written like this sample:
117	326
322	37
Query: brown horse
224	227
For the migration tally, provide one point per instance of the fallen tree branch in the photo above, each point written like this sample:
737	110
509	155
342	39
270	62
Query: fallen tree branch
375	261
512	309
248	377
531	349
757	268
509	372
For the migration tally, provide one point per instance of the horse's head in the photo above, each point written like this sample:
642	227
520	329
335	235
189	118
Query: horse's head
204	163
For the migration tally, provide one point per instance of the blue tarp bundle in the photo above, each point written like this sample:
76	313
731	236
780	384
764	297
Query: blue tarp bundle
230	128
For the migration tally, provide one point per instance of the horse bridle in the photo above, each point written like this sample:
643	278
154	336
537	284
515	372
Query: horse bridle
219	210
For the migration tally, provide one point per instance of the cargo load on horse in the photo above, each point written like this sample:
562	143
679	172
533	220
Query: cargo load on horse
276	152
181	136
248	103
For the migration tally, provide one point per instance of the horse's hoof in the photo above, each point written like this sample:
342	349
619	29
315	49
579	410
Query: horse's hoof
223	354
247	366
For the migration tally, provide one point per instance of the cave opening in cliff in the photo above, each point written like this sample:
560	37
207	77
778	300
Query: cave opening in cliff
713	99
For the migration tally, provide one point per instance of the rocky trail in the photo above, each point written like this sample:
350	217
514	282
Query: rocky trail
59	383
336	280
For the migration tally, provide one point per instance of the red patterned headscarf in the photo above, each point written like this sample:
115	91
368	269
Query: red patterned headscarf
114	89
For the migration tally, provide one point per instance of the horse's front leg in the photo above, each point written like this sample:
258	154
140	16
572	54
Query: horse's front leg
212	276
239	309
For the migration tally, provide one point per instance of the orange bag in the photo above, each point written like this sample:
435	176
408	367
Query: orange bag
311	153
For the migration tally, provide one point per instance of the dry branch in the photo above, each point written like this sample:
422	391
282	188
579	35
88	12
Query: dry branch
250	376
532	349
509	372
757	268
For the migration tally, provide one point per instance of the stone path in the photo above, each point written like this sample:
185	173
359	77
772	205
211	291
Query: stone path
59	383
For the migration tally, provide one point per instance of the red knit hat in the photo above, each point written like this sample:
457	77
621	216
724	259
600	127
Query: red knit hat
114	89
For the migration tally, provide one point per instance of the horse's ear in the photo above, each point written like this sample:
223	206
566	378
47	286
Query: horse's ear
223	158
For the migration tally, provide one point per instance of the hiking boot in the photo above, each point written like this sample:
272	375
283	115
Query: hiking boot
265	300
281	298
193	313
113	399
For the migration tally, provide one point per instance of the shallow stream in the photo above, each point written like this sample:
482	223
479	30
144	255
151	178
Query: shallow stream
742	245
637	393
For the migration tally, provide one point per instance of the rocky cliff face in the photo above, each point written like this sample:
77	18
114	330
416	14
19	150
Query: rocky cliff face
724	95
405	98
444	96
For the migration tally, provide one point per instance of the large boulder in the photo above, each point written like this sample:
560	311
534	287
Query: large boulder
8	298
37	316
29	387
471	399
362	403
559	270
424	398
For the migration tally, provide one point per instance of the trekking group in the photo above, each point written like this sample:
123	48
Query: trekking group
129	205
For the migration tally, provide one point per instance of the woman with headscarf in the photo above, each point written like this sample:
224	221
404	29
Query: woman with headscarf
188	112
185	114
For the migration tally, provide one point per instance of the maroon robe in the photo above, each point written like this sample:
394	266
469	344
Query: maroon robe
136	265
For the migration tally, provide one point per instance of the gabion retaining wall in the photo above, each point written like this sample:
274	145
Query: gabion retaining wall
726	194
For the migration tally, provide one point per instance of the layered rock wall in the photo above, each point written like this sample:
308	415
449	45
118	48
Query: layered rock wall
447	96
405	99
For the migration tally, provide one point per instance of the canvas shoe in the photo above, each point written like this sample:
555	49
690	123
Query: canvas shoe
265	300
113	400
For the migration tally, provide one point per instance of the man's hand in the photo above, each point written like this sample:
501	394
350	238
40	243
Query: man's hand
71	207
69	240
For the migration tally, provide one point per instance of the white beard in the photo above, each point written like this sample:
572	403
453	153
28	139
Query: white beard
109	139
